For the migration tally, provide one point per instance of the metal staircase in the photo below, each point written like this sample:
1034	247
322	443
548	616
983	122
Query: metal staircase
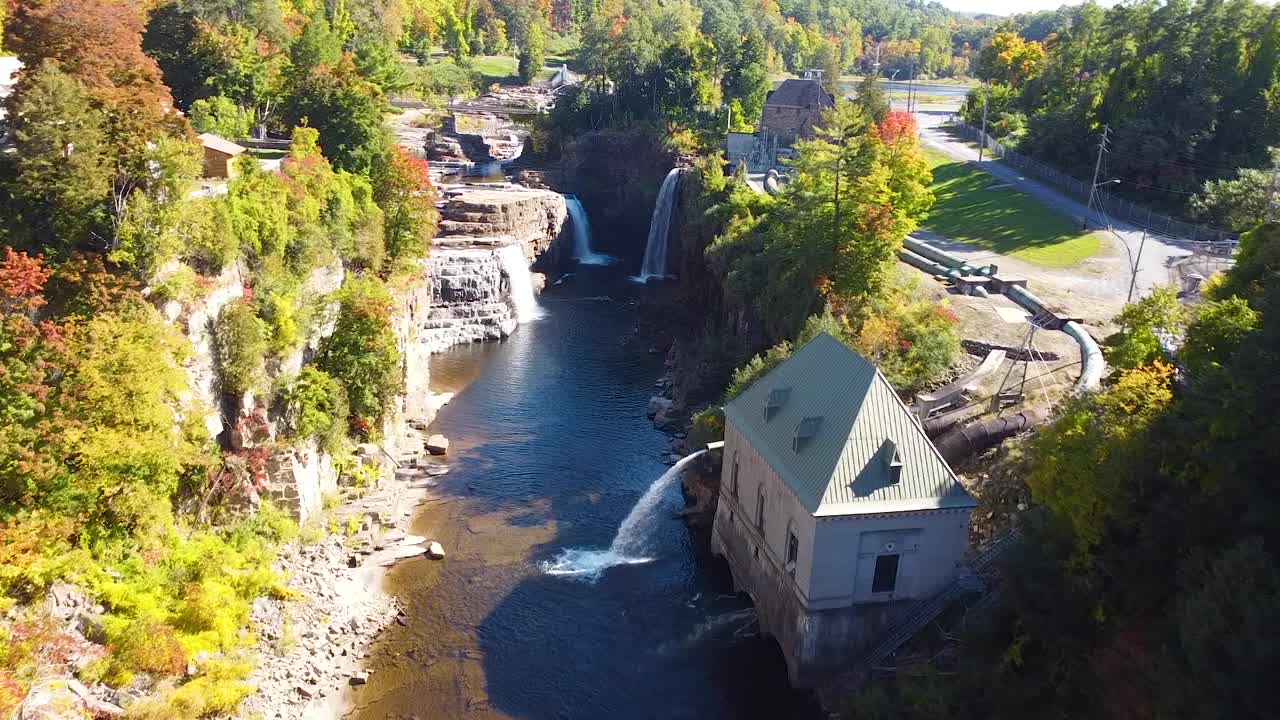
977	578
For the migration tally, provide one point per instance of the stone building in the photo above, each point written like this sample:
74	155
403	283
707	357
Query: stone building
794	109
836	513
791	112
219	156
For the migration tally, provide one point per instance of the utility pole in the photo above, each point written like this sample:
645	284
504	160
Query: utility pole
1097	167
982	141
1133	277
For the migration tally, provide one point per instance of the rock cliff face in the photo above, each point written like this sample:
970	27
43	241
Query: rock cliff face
533	218
469	298
716	331
197	321
470	288
617	175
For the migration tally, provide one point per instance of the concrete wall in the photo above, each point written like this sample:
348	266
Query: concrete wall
782	511
930	544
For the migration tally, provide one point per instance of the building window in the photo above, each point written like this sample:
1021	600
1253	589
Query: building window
760	510
733	483
793	552
886	576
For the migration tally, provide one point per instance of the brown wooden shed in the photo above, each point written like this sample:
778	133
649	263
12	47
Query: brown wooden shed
219	156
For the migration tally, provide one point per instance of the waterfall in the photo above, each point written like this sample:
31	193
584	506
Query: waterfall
655	250
582	235
631	543
516	266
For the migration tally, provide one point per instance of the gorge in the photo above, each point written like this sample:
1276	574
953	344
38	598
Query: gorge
489	633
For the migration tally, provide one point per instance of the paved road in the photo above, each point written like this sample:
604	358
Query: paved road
1157	254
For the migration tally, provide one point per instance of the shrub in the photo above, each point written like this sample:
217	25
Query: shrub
242	345
145	646
361	354
446	78
313	405
912	339
211	244
180	285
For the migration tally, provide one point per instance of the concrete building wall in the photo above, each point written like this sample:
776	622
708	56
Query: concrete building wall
930	546
783	513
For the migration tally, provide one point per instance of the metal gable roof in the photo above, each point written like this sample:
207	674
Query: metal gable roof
842	469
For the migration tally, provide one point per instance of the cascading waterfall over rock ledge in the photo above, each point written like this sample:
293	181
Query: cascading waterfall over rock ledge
582	251
654	265
520	279
631	544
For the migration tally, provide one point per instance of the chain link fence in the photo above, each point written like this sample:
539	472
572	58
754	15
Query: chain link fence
1113	206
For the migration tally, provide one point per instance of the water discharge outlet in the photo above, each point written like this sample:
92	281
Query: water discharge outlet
631	544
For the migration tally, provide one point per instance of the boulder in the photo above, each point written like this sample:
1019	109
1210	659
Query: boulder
435	550
658	405
437	445
359	678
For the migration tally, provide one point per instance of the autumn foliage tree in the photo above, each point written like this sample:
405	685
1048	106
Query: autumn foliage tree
99	43
403	189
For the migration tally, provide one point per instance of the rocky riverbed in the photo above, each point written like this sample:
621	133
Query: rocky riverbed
313	645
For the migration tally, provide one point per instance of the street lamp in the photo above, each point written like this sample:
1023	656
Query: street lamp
1093	191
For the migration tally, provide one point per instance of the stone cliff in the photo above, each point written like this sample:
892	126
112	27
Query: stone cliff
470	287
616	175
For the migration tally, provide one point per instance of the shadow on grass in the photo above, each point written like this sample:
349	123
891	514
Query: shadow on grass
974	208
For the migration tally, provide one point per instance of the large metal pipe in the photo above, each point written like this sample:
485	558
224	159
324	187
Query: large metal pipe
1092	363
928	266
962	442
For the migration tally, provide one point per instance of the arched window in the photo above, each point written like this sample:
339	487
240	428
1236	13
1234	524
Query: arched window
760	509
733	482
793	549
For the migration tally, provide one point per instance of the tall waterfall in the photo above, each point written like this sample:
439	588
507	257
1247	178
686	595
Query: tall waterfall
516	266
632	541
582	235
655	250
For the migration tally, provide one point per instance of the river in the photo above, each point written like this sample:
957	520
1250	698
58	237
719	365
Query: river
550	449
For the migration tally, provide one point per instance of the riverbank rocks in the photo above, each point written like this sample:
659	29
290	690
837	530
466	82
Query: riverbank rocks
435	550
437	444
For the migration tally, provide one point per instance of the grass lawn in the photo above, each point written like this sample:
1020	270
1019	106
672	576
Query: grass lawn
975	208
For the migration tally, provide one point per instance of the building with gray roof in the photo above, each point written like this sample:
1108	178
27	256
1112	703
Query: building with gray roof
835	510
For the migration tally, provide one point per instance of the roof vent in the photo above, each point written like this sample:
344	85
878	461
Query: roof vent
805	432
893	462
777	398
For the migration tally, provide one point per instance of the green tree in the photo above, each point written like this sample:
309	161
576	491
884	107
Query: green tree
871	98
361	354
532	52
1146	328
242	347
746	79
221	116
347	111
1239	203
63	166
